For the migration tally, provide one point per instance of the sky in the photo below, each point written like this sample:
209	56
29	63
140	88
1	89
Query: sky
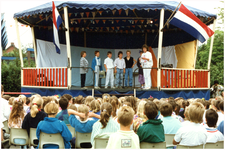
25	32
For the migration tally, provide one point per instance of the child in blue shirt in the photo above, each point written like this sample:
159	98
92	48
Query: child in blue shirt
52	125
63	115
95	108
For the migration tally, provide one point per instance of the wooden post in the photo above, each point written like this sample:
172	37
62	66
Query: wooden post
67	32
210	51
160	47
35	46
197	43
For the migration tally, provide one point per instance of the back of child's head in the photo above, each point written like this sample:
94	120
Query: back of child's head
211	118
106	98
206	104
114	102
88	100
11	99
166	109
196	111
63	103
28	101
23	98
99	99
17	110
54	98
83	109
68	97
73	107
51	108
106	111
151	99
140	109
126	104
177	109
173	103
6	97
79	99
35	105
132	101
151	110
95	106
186	113
221	106
171	98
46	100
158	103
125	116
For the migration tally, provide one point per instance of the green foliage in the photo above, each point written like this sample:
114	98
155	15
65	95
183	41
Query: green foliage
217	61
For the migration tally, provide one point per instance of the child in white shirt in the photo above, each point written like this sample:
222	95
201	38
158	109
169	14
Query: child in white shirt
108	64
194	134
213	135
120	66
124	138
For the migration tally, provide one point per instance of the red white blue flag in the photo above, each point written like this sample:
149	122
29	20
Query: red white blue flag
187	21
57	20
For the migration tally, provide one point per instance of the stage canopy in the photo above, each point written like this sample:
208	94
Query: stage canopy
125	25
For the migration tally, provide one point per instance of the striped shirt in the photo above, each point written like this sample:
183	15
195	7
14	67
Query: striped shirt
111	127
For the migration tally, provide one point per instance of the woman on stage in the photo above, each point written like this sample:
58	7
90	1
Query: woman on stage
147	62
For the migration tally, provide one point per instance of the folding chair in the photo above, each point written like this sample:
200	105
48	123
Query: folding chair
189	147
217	145
18	133
55	139
101	143
72	130
6	128
169	140
83	140
5	144
33	137
146	145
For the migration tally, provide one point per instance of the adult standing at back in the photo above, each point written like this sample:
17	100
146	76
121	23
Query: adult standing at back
130	62
147	62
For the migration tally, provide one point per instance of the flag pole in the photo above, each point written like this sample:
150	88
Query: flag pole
170	16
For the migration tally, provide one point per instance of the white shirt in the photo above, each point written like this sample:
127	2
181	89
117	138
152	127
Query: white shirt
119	63
5	110
213	135
192	135
109	63
123	139
97	61
220	118
147	63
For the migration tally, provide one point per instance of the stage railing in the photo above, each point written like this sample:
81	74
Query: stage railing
172	78
52	77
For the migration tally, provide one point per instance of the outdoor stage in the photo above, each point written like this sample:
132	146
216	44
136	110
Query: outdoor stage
122	92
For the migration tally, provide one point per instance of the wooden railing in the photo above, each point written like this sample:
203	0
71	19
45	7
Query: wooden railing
45	77
184	78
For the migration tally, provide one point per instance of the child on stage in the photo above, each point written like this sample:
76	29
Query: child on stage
119	64
96	66
108	64
83	70
141	78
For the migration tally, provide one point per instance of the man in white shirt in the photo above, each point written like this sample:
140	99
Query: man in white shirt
146	62
109	66
120	66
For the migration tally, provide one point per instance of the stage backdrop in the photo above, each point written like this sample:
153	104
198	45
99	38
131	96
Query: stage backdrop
181	56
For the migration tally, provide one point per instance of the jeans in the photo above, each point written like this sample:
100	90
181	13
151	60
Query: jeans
119	77
129	72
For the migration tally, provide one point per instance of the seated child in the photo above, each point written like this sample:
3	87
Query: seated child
221	125
84	124
175	108
170	124
194	134
69	98
63	115
213	135
51	124
88	101
106	125
79	100
95	108
151	130
124	138
139	118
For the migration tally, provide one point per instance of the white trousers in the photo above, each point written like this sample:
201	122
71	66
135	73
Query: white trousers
147	76
109	76
96	75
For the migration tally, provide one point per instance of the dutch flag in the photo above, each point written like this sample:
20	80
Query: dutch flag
57	20
187	21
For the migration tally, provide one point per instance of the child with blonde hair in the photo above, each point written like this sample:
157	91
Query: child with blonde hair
79	100
106	98
51	125
115	105
95	108
140	117
193	133
124	138
16	117
88	101
106	125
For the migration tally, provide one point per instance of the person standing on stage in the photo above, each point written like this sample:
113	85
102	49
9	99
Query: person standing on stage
130	62
141	78
96	66
109	66
84	69
216	89
119	64
146	61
